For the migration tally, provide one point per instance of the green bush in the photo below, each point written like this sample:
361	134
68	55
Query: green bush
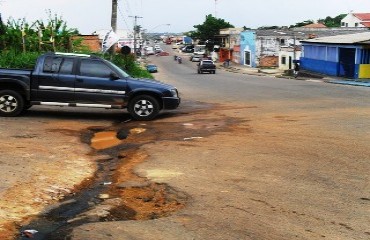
12	59
129	65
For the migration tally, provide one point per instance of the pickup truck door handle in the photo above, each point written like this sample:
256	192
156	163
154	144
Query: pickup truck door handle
79	80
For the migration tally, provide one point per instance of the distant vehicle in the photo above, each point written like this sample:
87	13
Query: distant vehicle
206	66
188	49
152	68
200	49
149	51
196	58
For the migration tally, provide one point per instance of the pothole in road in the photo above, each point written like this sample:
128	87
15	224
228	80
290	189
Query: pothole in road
115	193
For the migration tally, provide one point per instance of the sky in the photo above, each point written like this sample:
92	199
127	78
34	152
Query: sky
178	16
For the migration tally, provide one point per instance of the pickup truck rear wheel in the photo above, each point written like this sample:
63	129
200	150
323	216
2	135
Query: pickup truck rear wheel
11	103
143	107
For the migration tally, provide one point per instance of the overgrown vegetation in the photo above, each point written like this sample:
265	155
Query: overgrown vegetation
22	42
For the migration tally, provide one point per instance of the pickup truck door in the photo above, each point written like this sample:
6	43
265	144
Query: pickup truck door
55	82
95	85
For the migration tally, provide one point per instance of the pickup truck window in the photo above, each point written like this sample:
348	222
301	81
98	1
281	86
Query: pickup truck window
58	65
67	66
91	68
52	64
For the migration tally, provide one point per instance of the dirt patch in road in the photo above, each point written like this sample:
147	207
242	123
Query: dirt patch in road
75	168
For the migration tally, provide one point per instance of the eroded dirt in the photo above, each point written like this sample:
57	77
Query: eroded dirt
121	194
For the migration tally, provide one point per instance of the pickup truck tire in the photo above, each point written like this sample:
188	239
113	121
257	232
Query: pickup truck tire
11	103
143	107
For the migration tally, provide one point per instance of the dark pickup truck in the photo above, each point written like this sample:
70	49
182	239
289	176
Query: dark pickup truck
79	80
206	66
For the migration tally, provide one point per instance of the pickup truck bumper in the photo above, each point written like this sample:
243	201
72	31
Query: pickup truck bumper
171	102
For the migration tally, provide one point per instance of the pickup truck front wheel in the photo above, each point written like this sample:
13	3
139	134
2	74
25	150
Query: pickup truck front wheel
11	103
143	107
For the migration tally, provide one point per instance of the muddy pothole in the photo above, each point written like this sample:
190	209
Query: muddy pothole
115	193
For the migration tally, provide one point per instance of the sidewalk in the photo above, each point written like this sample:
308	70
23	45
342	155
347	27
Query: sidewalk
304	75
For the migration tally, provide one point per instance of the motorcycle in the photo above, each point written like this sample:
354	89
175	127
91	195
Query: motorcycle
179	60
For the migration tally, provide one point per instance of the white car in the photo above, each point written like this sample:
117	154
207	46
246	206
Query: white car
196	58
149	51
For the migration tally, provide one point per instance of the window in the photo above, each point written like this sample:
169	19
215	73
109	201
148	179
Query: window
282	41
67	66
283	60
52	64
91	68
356	24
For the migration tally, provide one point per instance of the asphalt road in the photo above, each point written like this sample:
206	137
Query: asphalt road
276	159
245	157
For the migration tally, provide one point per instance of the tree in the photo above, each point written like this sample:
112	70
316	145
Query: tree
301	24
332	22
209	28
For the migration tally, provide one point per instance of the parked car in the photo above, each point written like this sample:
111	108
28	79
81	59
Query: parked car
151	68
206	66
196	58
80	80
188	49
149	51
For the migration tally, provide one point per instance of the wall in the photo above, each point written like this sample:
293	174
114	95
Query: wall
350	21
92	42
320	66
364	71
288	53
248	43
269	61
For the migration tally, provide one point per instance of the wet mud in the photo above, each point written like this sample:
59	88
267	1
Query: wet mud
116	193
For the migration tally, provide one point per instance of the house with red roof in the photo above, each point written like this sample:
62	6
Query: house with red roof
356	20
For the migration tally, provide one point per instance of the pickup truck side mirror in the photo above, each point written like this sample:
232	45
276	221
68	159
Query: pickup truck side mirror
113	76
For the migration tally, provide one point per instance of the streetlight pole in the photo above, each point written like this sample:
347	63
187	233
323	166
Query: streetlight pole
135	30
114	22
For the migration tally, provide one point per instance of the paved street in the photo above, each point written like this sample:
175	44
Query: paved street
245	157
282	159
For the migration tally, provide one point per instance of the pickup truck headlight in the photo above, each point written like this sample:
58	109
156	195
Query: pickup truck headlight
174	93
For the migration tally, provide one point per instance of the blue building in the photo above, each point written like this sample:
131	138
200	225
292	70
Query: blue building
343	56
248	48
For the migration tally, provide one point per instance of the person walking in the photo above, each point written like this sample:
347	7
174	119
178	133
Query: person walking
296	70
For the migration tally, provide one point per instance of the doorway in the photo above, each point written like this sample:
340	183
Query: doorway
347	60
247	58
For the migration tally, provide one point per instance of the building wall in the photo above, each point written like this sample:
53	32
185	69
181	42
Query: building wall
325	59
289	55
236	54
91	42
351	21
248	44
269	61
364	71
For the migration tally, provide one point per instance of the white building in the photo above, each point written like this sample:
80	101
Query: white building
356	20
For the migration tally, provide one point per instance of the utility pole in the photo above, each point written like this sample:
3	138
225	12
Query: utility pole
114	22
135	30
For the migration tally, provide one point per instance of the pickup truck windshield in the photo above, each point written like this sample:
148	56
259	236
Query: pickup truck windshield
119	70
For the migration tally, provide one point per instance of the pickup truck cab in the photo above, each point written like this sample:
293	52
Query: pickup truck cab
206	66
78	80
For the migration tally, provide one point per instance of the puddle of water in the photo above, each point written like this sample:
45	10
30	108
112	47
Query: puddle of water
104	140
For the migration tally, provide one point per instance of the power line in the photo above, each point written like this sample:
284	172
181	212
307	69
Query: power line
123	17
135	30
